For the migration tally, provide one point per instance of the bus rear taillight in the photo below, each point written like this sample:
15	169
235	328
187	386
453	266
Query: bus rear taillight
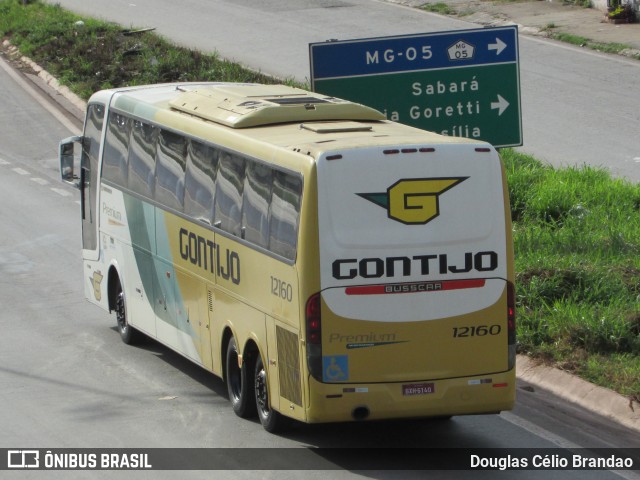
511	323
312	315
313	322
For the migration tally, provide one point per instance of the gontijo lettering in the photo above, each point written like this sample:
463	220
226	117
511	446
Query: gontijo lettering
349	268
205	254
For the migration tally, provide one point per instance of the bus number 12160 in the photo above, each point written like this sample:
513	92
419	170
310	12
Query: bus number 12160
476	331
281	289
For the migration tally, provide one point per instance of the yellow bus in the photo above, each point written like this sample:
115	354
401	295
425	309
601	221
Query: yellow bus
328	264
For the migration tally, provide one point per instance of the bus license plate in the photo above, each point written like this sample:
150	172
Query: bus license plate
418	389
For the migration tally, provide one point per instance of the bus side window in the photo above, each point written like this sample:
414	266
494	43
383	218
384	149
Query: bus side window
255	208
142	158
114	166
200	181
93	131
285	211
170	168
228	202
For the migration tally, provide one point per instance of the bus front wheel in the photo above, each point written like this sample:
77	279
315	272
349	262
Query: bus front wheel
239	382
128	334
271	420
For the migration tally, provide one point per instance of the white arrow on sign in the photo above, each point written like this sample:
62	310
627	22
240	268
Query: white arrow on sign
501	105
499	46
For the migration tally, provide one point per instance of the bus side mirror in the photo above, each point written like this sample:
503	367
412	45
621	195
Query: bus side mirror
67	160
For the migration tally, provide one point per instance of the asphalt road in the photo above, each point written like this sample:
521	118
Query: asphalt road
579	107
67	381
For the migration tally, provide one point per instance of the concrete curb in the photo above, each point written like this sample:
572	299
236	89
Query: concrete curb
596	399
50	80
45	76
567	386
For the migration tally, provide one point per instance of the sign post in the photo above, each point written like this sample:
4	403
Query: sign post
462	83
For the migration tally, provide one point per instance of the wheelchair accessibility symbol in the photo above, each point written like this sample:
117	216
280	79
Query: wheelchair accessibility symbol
335	368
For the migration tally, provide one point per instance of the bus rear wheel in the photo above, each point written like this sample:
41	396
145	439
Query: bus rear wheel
271	420
239	382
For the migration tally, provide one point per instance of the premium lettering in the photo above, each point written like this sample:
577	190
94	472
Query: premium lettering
361	338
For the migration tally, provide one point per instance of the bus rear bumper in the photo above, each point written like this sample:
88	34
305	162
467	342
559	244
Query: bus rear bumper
430	398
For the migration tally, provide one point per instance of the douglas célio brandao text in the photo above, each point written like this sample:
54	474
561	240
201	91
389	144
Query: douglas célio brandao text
565	461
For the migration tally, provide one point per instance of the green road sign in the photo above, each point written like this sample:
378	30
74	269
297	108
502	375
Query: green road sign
462	83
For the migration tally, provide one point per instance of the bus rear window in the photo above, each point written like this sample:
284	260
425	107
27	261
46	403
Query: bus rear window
285	211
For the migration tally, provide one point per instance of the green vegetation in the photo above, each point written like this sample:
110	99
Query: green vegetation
576	230
88	55
441	8
585	42
579	3
577	247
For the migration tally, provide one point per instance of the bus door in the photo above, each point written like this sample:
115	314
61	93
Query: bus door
87	183
89	179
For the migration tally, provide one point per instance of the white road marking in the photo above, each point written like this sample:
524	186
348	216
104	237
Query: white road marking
20	171
61	192
556	440
40	181
4	162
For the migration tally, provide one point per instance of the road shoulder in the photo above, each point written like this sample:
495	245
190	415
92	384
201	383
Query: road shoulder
571	388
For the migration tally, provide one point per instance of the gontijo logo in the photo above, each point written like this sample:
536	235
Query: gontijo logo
413	201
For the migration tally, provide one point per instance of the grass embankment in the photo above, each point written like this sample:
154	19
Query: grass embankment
576	230
89	55
577	247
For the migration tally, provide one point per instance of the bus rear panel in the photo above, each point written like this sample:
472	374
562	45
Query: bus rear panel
415	309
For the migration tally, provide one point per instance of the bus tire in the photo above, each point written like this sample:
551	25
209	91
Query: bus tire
128	334
271	420
239	382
